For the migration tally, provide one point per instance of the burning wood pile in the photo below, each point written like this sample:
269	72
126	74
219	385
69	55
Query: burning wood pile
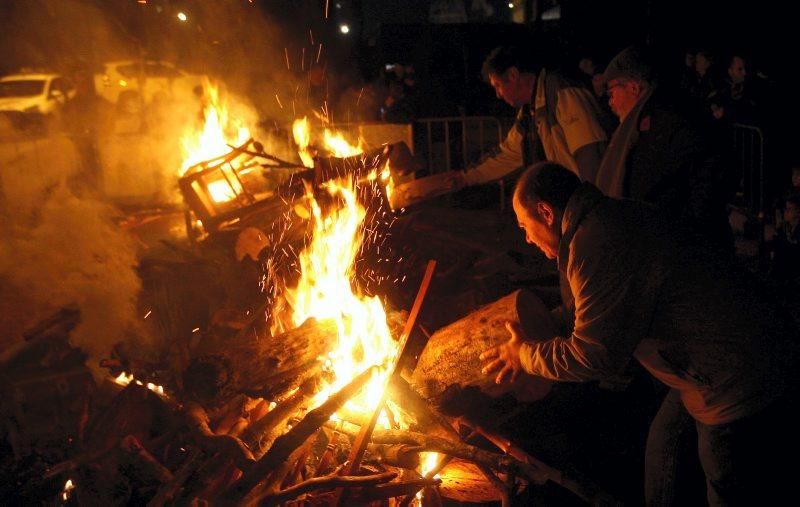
306	402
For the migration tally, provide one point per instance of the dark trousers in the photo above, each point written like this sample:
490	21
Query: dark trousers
671	430
752	461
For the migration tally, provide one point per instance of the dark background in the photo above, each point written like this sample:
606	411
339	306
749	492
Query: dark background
245	44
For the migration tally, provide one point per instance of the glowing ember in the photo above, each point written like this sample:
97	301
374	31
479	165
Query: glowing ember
222	191
218	132
124	379
302	136
67	491
429	461
386	178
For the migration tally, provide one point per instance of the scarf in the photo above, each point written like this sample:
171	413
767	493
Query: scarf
611	175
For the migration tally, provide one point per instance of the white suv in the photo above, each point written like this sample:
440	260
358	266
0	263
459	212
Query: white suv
39	93
130	83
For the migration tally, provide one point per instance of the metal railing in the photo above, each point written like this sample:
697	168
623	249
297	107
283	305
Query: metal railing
748	157
445	143
450	143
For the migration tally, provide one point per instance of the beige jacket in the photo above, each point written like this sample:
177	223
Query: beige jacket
568	131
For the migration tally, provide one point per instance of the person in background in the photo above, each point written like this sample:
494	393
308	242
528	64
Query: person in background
735	100
785	246
704	81
662	152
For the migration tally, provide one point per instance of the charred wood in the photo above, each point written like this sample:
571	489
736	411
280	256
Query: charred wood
427	443
330	482
223	368
285	444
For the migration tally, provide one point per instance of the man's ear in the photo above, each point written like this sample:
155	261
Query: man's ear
546	212
636	87
512	74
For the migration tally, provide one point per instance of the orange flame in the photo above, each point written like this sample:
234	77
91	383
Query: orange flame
325	291
336	143
302	136
219	130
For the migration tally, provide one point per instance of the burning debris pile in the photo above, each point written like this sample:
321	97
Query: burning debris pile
300	399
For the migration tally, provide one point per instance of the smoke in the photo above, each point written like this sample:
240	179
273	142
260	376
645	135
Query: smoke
272	63
60	249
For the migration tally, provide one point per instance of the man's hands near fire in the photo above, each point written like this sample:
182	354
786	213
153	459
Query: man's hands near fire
505	357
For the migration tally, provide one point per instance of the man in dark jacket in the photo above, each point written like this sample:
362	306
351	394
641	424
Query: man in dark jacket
642	291
661	152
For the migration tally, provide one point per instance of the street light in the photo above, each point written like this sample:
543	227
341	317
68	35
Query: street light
182	16
344	28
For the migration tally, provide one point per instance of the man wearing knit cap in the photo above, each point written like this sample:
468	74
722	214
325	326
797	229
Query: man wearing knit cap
661	153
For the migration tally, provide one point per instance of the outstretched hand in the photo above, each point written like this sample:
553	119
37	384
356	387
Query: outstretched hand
505	357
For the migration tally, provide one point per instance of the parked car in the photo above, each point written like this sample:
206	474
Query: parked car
36	93
132	83
30	101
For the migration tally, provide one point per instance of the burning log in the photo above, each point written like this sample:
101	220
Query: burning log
262	433
586	491
428	443
436	424
143	460
258	367
167	492
422	189
329	482
384	491
287	443
211	442
398	456
461	343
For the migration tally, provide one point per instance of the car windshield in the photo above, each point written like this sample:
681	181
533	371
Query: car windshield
21	88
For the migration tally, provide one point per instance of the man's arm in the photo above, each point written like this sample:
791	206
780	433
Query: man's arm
577	114
507	160
612	309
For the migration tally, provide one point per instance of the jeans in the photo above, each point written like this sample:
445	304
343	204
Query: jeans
670	430
742	461
752	461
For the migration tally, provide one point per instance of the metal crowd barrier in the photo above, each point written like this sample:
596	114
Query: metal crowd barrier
450	143
445	143
748	151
